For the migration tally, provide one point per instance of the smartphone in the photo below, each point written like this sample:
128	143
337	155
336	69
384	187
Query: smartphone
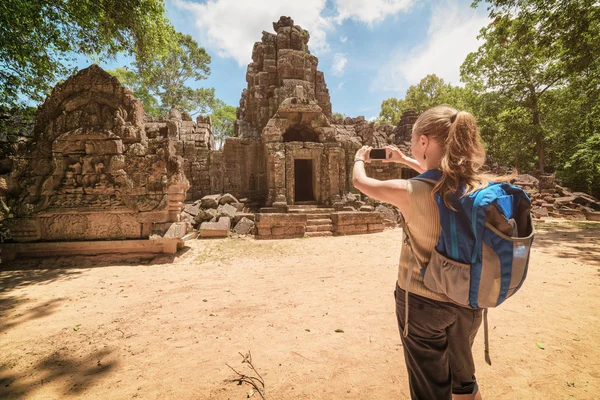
377	154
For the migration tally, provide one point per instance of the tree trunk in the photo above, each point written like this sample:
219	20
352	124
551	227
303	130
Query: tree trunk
537	129
539	141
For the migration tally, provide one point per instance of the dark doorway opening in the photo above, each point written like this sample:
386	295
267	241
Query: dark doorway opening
303	180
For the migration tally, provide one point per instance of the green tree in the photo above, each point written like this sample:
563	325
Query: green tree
431	91
572	26
516	62
391	110
163	83
38	39
168	76
223	118
141	91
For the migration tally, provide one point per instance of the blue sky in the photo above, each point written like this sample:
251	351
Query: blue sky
369	50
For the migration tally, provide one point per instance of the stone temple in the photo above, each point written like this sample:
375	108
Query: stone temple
98	172
288	149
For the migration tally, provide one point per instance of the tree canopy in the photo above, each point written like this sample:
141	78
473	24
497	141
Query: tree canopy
38	39
223	119
164	82
431	91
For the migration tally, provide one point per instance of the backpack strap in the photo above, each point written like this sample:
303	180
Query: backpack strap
486	341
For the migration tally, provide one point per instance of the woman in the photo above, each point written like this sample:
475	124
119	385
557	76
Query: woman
437	348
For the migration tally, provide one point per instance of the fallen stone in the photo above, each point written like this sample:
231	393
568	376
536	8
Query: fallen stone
238	217
227	210
548	206
176	230
564	200
239	206
210	201
216	229
351	197
386	212
540	212
228	199
366	208
526	180
205	215
245	227
191	209
593	216
185	217
586	200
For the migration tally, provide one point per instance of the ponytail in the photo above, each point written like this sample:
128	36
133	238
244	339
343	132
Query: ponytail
463	152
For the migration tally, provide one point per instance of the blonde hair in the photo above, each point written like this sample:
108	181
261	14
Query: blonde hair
463	154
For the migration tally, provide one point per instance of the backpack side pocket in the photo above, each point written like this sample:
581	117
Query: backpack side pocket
504	262
446	276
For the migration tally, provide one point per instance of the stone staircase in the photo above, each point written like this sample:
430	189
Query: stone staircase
318	219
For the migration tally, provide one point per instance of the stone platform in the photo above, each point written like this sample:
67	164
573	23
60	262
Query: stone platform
316	221
126	248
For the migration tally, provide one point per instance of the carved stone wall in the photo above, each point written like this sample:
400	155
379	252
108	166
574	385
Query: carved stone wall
280	63
91	171
194	141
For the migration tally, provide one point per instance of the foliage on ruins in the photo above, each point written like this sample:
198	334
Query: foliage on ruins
39	39
164	82
223	119
429	92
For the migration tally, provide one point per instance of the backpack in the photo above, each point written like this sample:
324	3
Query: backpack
482	254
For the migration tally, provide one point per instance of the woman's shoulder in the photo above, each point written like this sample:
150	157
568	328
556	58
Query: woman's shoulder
417	186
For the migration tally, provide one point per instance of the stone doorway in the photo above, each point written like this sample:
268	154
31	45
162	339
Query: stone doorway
303	181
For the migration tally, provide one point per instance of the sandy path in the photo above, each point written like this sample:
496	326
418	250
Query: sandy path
97	328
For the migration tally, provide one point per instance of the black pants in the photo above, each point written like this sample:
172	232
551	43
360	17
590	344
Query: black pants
438	347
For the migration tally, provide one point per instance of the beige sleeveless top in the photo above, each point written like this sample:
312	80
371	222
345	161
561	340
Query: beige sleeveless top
425	228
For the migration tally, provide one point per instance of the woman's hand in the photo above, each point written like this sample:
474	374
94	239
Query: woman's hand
394	154
363	154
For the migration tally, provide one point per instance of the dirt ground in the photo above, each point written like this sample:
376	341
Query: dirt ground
96	328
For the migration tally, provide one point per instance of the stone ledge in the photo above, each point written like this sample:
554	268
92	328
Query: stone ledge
355	217
128	248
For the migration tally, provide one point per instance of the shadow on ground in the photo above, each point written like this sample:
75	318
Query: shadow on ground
78	374
581	241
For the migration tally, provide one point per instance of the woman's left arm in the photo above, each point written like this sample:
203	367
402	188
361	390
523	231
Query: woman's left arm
393	191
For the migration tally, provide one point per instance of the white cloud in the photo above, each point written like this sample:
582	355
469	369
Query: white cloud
343	39
369	11
231	26
341	85
451	36
339	64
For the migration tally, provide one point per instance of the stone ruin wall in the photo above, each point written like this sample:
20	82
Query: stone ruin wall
280	63
91	172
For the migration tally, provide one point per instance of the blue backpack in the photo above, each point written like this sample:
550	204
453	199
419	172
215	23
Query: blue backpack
482	254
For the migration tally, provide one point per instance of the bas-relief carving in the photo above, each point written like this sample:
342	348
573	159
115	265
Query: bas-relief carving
91	169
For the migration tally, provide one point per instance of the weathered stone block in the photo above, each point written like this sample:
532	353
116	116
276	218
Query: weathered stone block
227	210
376	227
215	229
245	227
191	209
227	199
210	201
